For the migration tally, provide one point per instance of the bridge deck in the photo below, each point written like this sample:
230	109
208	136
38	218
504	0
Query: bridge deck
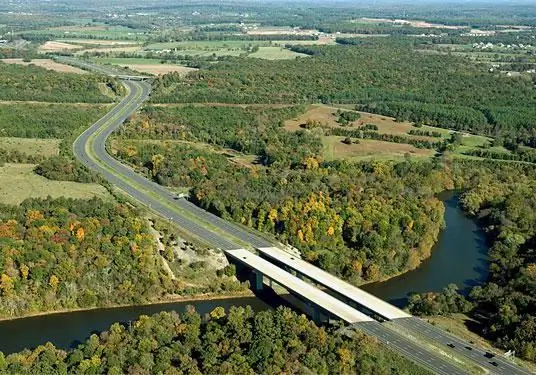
300	287
380	307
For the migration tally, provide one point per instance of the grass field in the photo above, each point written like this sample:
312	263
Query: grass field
326	115
368	149
276	53
100	42
126	61
268	49
334	148
109	50
207	44
18	182
47	64
31	146
92	32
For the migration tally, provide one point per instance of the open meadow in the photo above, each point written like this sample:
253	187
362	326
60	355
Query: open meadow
19	182
31	146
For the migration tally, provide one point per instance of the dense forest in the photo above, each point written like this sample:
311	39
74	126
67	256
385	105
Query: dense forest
33	120
503	198
64	254
38	84
387	77
239	341
360	221
250	130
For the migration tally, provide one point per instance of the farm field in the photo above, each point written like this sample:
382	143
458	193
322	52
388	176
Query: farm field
159	69
19	182
206	44
47	64
92	32
110	49
99	42
126	61
31	146
267	49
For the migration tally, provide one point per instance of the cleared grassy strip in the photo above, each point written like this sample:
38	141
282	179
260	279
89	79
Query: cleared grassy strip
276	53
19	182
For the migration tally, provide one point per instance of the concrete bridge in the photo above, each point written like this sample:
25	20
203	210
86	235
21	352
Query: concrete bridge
346	292
320	301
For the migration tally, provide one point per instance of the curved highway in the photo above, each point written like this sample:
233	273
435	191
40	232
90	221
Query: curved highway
90	149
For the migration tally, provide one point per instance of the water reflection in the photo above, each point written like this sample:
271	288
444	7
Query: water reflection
460	257
67	330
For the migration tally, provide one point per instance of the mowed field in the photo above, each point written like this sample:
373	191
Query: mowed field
160	69
31	146
99	42
150	66
19	182
47	64
334	148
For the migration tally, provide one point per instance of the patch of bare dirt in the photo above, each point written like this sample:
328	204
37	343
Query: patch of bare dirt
52	46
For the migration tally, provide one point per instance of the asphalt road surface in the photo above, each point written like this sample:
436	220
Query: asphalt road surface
495	364
409	349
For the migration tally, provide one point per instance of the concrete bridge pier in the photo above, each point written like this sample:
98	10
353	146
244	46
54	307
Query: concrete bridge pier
257	281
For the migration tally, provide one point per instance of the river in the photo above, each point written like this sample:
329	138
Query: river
66	330
459	257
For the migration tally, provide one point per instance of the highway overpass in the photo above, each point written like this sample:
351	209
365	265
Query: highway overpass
105	70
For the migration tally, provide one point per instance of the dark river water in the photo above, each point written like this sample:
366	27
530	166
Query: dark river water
459	257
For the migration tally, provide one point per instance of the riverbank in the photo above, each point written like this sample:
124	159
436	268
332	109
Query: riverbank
67	330
176	299
460	256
